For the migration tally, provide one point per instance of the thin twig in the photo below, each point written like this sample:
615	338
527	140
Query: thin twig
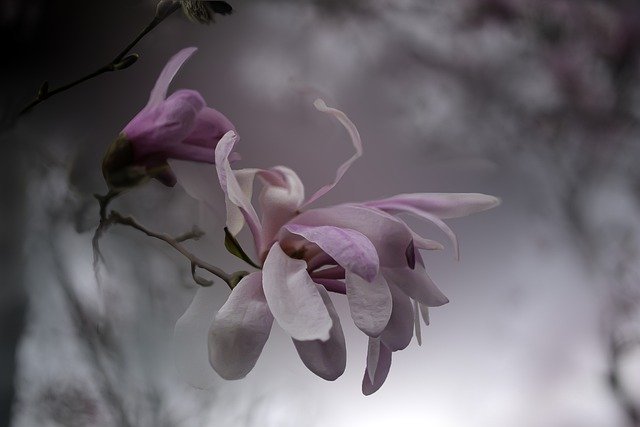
120	62
230	279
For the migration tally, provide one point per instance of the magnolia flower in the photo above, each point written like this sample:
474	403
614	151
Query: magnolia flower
361	250
180	126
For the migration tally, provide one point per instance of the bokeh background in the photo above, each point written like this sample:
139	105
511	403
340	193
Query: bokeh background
534	101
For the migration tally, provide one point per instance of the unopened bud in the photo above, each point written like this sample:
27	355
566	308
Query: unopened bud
166	8
127	62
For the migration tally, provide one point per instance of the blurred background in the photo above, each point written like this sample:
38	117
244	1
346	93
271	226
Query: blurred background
534	101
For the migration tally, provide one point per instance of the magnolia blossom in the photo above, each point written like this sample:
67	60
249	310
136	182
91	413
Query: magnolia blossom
361	250
180	126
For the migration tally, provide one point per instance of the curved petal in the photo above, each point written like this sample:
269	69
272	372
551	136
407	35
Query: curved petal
235	218
159	92
349	248
399	331
327	359
417	284
232	188
190	339
424	311
210	125
280	199
159	131
240	329
389	235
370	303
293	297
383	365
442	205
355	140
416	321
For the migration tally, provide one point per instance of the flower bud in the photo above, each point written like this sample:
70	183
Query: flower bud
118	167
166	8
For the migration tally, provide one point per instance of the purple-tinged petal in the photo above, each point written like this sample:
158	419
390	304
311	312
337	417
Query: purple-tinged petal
240	329
190	339
280	199
235	218
159	92
410	254
399	331
163	127
430	245
424	311
442	205
326	359
232	188
373	355
210	125
167	178
355	140
389	235
416	321
370	303
381	371
335	272
349	248
332	285
293	297
319	260
416	284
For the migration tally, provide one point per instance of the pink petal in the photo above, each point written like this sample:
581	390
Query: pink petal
389	235
210	125
293	297
235	218
442	205
280	199
370	303
381	370
159	92
349	248
355	140
232	188
240	329
326	359
399	331
416	284
416	321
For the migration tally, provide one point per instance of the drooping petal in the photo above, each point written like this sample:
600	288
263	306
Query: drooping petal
381	370
355	140
240	329
159	92
326	359
417	284
235	218
280	199
424	311
389	235
399	331
416	321
349	248
293	297
426	244
373	354
232	188
370	303
190	339
442	205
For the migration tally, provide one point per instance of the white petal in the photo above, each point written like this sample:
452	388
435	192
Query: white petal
424	310
240	329
293	297
370	303
399	331
381	371
373	354
325	359
416	322
417	284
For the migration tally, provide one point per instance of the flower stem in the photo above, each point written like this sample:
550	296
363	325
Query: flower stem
120	62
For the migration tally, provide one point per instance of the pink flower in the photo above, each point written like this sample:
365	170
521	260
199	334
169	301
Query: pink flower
180	126
361	250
